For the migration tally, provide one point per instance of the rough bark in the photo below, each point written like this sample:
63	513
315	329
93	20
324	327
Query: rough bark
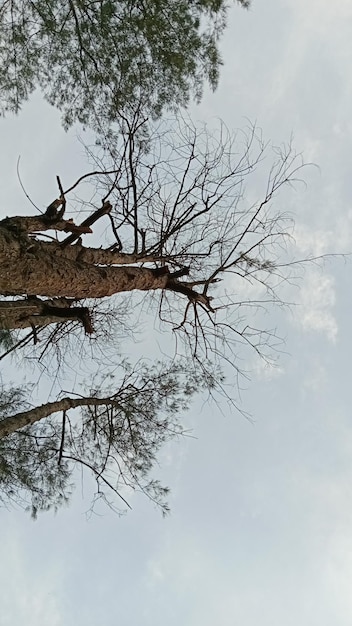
35	312
96	256
52	219
31	267
11	424
41	223
28	268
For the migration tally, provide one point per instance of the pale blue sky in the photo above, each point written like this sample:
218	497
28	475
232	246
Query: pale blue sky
260	529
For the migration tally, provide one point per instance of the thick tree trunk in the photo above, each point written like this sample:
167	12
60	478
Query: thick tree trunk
29	268
32	267
11	424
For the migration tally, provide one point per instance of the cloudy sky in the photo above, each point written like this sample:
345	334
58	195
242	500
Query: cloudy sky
260	529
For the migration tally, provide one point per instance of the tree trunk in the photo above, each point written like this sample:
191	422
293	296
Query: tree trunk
29	268
35	312
11	424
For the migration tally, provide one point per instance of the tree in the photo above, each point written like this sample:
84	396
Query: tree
95	59
115	438
183	232
180	225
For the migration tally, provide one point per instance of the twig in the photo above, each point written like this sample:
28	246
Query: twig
22	185
104	210
62	437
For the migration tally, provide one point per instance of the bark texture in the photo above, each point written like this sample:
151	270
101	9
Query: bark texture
32	267
29	267
35	312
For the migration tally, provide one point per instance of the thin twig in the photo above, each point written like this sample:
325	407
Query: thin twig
22	185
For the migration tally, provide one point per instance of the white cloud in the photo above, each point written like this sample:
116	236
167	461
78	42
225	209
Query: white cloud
266	371
314	310
29	600
316	377
318	15
313	242
338	570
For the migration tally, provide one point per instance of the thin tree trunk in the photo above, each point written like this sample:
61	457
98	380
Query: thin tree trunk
11	424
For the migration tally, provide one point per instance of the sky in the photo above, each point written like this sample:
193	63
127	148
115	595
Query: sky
260	526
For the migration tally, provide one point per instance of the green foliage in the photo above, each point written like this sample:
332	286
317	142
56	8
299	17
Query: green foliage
6	339
12	399
30	475
115	440
28	464
94	59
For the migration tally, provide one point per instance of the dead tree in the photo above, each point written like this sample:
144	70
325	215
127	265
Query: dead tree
183	225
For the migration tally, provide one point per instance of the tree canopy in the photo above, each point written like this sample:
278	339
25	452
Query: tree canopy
185	242
115	437
95	59
179	225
